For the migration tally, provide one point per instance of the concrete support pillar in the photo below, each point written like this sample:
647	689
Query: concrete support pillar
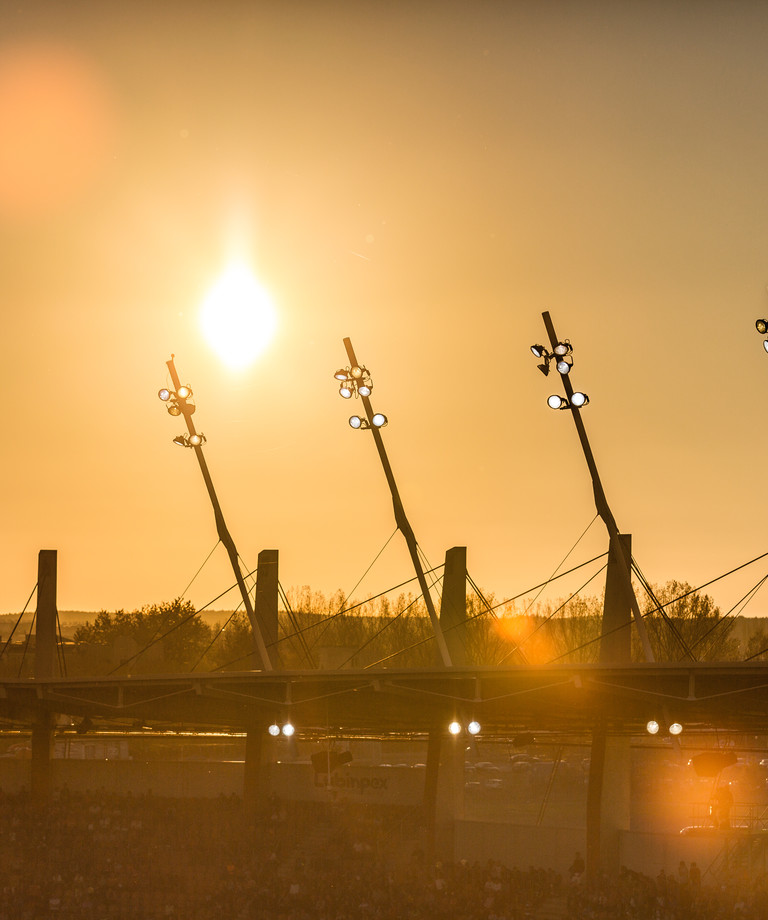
255	790
616	633
45	669
453	607
266	601
443	792
45	619
608	793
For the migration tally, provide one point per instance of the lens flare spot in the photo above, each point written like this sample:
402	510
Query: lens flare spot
58	127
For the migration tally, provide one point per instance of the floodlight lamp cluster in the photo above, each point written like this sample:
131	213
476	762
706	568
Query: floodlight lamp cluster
378	420
577	401
178	402
561	354
354	381
472	727
762	327
653	728
287	729
190	440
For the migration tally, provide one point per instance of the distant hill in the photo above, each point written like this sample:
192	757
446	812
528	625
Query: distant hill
71	619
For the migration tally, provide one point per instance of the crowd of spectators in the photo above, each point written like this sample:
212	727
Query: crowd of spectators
107	857
102	856
670	896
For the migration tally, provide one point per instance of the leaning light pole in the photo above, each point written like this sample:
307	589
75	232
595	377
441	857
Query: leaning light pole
179	401
355	380
561	356
608	794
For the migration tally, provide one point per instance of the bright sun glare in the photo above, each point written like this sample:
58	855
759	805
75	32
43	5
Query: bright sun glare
237	317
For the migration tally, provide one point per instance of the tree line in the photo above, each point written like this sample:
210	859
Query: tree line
331	632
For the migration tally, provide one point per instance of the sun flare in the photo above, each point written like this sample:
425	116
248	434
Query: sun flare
237	317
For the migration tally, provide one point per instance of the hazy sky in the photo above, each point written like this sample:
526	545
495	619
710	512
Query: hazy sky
426	178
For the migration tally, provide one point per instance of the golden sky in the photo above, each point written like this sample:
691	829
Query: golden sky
426	178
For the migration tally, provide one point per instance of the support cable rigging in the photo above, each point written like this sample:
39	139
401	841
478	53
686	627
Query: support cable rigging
215	638
679	598
303	645
18	621
743	603
176	626
184	592
360	580
60	648
407	648
429	568
660	609
554	613
517	597
379	632
26	643
560	564
330	617
248	577
489	609
159	634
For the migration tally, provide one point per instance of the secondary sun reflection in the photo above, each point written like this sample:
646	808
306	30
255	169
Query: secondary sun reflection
237	317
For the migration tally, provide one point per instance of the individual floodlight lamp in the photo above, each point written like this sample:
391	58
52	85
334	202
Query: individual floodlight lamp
454	727
365	389
379	420
539	351
765	344
164	394
563	348
557	402
762	326
675	728
345	390
197	439
652	727
474	727
356	422
341	374
288	730
173	409
184	392
274	729
564	364
579	400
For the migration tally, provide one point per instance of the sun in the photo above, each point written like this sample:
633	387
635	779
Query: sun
237	317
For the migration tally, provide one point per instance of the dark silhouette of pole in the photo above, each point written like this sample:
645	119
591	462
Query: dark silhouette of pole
45	669
401	520
617	545
221	527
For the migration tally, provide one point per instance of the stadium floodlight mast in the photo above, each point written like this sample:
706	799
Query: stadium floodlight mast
355	380
179	403
575	400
